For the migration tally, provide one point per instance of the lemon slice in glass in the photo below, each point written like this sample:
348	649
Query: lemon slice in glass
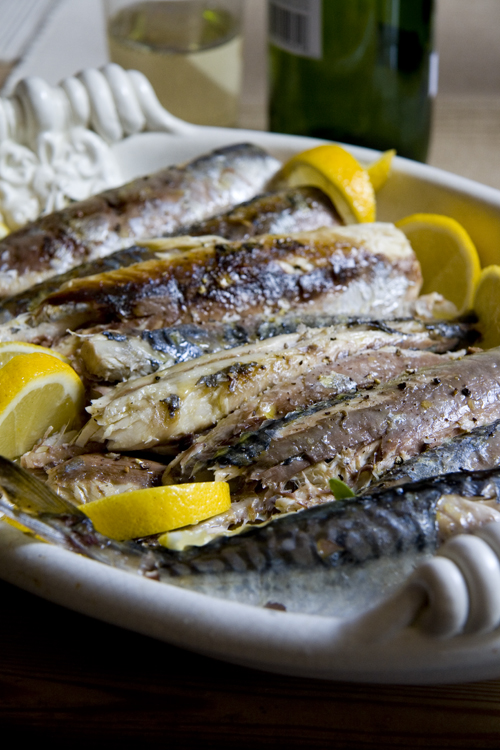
37	392
487	306
335	171
139	513
447	256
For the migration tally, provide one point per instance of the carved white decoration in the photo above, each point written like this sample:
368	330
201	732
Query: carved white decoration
55	141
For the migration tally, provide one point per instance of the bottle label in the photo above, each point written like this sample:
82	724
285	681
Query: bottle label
295	26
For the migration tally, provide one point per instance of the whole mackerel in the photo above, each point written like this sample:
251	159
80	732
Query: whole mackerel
363	269
338	559
113	357
358	437
250	384
147	207
299	210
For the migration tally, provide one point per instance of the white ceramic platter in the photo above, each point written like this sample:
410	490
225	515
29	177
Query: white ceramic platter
456	638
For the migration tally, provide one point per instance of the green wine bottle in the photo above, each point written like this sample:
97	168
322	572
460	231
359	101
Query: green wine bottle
356	71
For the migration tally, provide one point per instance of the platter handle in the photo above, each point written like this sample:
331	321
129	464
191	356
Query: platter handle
56	141
456	592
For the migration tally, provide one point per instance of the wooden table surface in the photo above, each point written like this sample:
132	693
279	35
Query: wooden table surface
78	682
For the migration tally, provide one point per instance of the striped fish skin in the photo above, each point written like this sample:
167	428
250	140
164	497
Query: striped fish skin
335	559
299	210
150	206
113	357
360	437
357	270
477	450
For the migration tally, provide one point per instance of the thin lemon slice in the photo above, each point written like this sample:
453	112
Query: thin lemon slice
339	175
143	512
9	349
487	306
448	258
380	170
37	391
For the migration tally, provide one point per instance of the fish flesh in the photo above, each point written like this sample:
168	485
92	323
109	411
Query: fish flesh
112	356
365	269
337	559
271	377
299	210
89	477
357	437
149	206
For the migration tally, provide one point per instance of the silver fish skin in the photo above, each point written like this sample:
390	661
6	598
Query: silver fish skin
358	438
476	450
299	210
335	559
113	356
149	206
159	410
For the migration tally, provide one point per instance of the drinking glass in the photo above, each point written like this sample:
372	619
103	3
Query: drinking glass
189	49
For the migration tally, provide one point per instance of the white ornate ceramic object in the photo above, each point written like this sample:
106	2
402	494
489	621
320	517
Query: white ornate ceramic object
55	142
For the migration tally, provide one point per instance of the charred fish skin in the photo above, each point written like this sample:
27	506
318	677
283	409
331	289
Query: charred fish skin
149	206
360	269
302	209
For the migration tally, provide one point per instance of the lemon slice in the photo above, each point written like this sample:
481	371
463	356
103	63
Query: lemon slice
380	170
487	306
37	391
143	512
339	175
9	349
447	256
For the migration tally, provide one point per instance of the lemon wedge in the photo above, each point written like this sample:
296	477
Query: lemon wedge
37	391
447	256
139	513
9	349
380	170
487	306
339	175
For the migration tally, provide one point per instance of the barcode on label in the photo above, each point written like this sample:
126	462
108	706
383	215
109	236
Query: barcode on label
295	26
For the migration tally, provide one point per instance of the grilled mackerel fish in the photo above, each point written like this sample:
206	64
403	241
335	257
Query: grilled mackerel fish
112	357
367	269
338	559
357	437
299	210
252	383
150	206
